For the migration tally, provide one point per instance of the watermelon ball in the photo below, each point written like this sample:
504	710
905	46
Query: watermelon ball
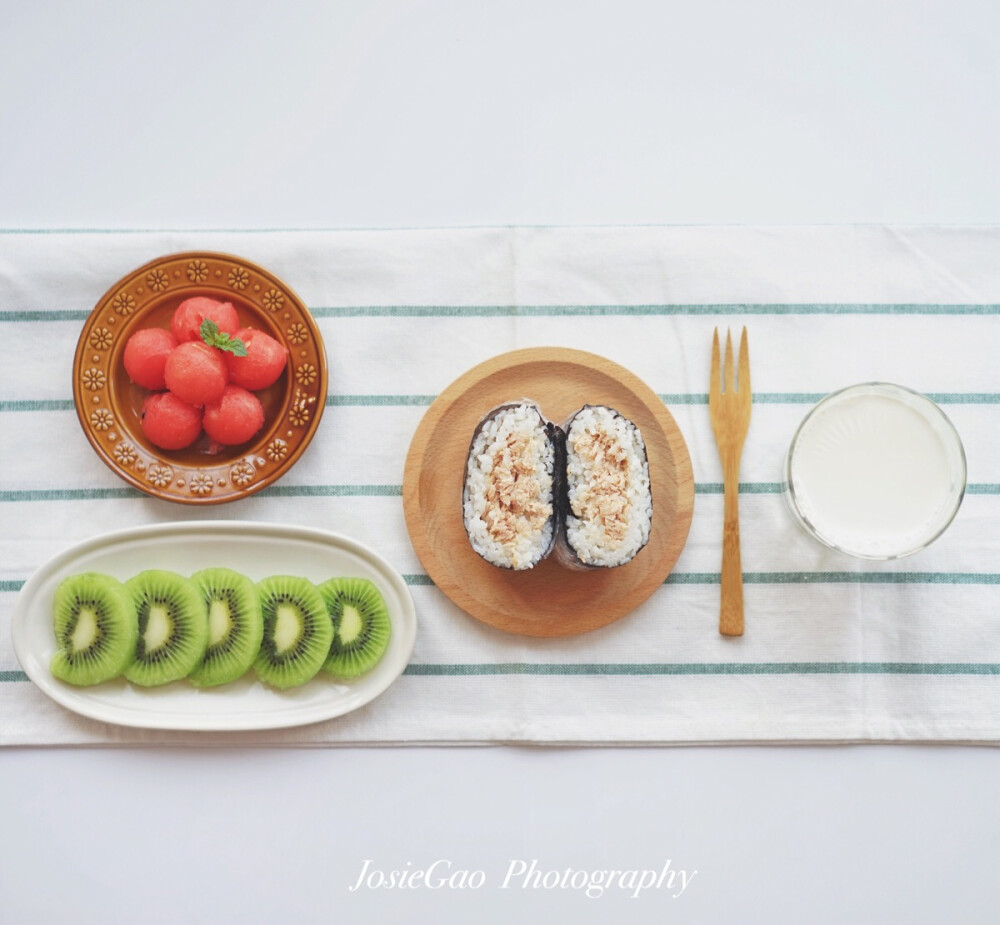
263	363
168	422
196	373
235	418
146	354
186	322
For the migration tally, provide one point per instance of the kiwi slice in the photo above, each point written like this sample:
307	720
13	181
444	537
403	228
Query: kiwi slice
95	627
235	628
173	627
361	626
297	631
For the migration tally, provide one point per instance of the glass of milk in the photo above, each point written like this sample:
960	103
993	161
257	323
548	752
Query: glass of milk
876	471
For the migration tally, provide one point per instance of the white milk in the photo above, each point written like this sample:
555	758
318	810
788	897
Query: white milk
876	470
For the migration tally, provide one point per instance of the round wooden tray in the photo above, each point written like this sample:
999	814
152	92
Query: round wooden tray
108	403
547	600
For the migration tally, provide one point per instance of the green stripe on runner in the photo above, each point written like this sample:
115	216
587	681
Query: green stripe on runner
365	491
669	398
66	314
752	578
332	401
807	578
661	669
746	488
309	491
69	494
772	488
273	491
333	491
378	401
965	398
810	398
639	669
557	311
37	404
734	308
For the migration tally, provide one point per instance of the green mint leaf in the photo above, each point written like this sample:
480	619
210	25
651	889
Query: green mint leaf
212	336
234	345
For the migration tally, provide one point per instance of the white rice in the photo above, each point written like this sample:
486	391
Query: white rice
588	536
532	539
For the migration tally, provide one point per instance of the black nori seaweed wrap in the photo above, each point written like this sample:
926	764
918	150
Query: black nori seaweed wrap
555	438
564	551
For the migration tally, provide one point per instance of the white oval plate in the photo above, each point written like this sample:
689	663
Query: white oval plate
257	550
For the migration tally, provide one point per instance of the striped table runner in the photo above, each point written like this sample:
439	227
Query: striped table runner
835	649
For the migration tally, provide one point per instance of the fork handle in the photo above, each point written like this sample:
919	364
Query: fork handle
731	607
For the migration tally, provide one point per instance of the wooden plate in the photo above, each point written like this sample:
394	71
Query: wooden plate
108	403
548	600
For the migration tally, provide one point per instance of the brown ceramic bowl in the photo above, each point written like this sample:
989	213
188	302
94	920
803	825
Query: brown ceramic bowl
108	403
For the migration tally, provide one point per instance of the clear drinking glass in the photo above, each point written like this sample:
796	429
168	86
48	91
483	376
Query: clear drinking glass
875	470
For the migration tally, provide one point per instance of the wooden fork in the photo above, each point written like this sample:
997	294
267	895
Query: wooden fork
729	408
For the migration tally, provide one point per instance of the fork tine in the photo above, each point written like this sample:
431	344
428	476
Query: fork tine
729	382
744	365
715	383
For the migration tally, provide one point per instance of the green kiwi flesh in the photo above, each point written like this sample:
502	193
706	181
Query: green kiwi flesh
173	627
95	627
235	627
361	626
297	631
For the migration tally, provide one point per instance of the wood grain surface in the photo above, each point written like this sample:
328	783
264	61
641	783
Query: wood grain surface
547	600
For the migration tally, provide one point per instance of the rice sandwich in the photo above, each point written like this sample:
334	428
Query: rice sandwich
606	506
580	492
510	498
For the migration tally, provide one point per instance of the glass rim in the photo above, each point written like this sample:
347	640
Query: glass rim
874	388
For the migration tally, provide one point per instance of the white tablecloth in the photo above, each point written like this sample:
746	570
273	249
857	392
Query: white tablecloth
835	650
